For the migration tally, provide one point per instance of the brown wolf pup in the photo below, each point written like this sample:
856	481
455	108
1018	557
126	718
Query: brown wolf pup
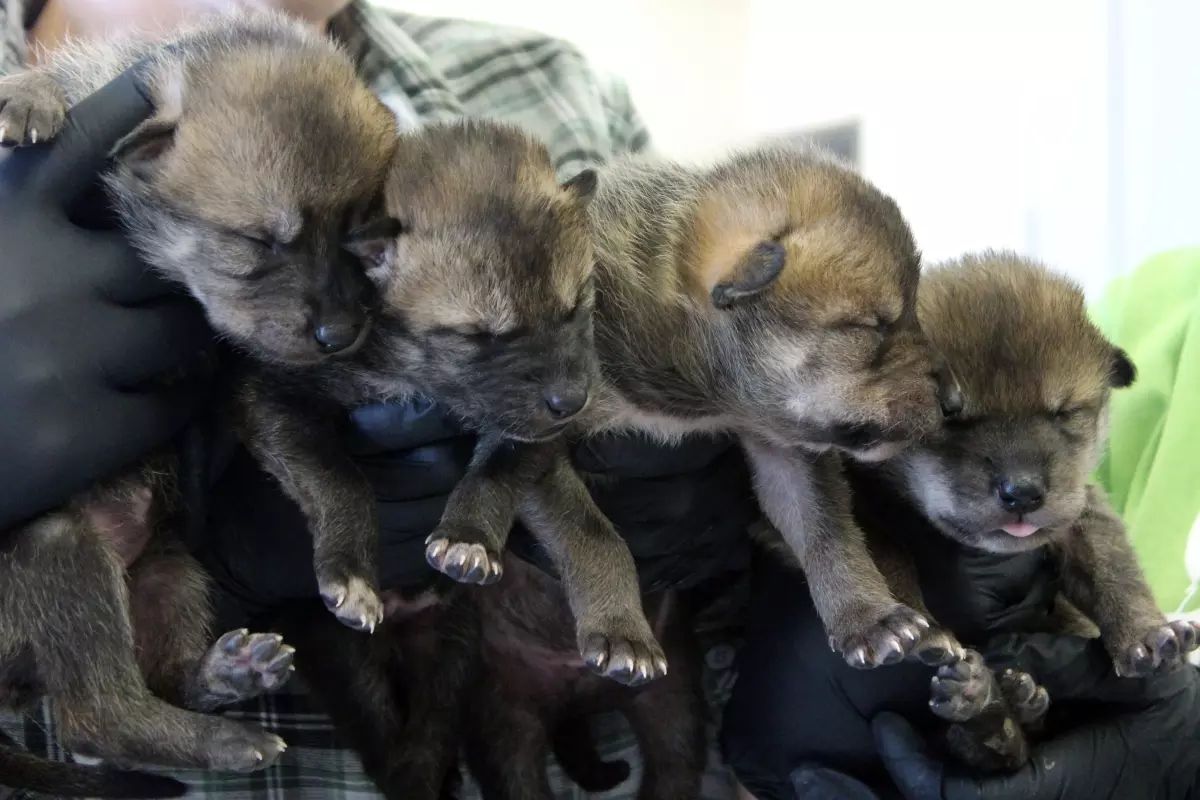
263	148
773	296
1012	473
484	275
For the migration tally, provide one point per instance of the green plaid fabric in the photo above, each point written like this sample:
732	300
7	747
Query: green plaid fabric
429	70
444	69
319	766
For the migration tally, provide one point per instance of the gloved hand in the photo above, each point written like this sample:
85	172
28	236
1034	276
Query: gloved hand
683	510
1119	738
86	331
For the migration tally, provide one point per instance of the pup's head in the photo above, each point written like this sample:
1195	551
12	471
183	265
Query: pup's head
811	276
265	149
485	277
1011	469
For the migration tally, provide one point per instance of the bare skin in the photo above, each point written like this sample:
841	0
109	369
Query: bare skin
86	19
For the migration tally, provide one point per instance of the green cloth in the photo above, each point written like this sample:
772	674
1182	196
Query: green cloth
1151	470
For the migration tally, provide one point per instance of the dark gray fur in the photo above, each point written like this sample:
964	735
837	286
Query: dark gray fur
263	150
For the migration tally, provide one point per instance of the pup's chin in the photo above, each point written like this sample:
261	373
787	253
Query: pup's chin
1011	537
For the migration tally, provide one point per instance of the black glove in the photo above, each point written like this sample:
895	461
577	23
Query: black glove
258	548
683	510
86	331
1110	737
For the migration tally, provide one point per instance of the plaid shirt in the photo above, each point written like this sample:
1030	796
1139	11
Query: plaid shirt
425	70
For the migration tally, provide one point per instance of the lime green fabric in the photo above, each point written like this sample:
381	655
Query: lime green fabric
1152	469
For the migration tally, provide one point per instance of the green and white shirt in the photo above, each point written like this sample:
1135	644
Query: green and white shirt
428	69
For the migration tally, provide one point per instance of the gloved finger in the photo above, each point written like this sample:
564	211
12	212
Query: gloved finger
387	427
1086	762
146	421
92	127
128	281
419	472
402	563
149	419
636	456
168	342
410	519
916	772
814	782
1071	668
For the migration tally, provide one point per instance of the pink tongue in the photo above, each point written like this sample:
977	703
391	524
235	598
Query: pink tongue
1019	529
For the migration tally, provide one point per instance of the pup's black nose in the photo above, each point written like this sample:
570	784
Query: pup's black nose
565	401
1021	494
337	336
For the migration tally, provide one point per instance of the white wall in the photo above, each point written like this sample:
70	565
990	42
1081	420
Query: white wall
1065	129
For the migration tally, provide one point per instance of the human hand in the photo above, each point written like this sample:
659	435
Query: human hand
1127	737
87	333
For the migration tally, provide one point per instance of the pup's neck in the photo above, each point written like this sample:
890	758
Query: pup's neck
658	346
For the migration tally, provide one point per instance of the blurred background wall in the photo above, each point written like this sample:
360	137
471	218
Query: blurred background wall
1068	130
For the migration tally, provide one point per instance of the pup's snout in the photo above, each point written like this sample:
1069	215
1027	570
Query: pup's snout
1021	493
566	401
338	335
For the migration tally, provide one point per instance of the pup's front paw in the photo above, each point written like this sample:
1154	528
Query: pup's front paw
32	110
882	638
352	600
243	748
1160	648
243	665
938	646
623	649
963	690
464	554
1026	699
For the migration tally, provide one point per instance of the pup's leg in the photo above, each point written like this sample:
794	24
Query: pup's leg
65	594
937	645
468	544
32	108
1101	575
598	574
668	718
302	450
808	500
506	745
984	733
396	696
172	625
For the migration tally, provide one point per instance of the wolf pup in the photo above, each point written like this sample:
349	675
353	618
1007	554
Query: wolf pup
483	271
1012	473
263	149
773	296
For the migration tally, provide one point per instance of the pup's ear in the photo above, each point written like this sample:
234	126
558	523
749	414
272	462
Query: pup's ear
1122	372
751	276
141	149
582	185
371	240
